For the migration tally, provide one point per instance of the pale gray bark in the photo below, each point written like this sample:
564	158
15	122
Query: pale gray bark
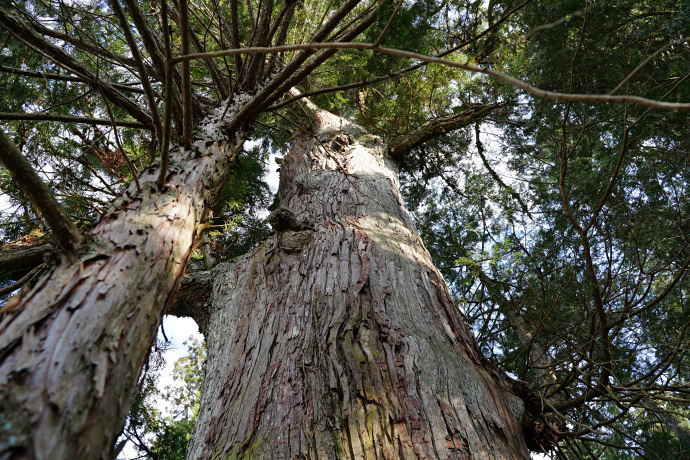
338	338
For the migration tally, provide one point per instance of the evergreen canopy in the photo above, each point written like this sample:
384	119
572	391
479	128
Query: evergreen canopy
544	149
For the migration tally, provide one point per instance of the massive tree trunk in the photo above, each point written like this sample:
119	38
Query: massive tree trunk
72	348
338	338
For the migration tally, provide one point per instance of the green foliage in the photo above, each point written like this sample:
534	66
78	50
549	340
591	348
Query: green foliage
236	216
525	281
164	436
551	292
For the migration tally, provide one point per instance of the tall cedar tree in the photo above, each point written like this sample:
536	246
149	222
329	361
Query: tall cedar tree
337	337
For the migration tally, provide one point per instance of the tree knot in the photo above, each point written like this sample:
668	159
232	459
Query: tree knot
542	431
283	219
341	142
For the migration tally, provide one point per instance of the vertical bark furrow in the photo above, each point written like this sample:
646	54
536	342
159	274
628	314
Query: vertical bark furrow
339	332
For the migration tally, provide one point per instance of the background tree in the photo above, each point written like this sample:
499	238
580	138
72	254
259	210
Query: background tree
163	434
528	204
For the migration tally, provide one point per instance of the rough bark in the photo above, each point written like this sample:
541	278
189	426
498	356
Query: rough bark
338	338
71	352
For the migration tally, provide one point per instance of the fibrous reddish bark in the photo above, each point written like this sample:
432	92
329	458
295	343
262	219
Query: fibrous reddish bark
71	352
338	338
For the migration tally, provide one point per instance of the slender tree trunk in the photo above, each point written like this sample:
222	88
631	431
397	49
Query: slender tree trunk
338	338
72	349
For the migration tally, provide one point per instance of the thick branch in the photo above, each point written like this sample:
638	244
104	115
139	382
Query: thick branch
220	81
303	73
20	257
234	34
151	43
254	73
193	299
90	47
186	86
143	74
437	127
281	25
412	68
167	117
292	74
64	230
284	81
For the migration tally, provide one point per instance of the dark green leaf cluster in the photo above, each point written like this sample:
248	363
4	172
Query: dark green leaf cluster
584	297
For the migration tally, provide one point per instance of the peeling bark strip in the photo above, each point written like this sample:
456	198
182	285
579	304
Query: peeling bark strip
89	324
346	344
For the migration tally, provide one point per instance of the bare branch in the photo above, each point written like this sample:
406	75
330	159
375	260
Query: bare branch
143	74
90	47
151	43
291	74
679	106
282	24
132	169
494	174
254	72
167	118
399	72
186	87
682	272
649	58
235	34
65	232
300	75
220	81
70	119
388	24
60	77
22	281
